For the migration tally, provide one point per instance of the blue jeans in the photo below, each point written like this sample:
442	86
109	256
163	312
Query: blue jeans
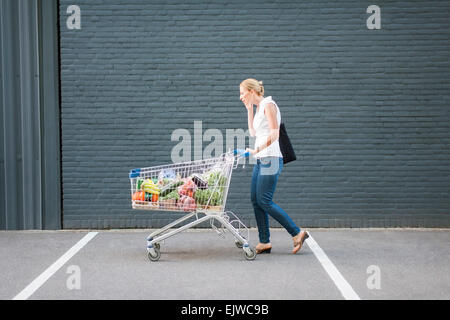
264	181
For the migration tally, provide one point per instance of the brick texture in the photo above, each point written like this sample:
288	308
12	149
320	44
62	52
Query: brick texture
367	110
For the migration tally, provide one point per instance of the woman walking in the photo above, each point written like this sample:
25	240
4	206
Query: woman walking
265	126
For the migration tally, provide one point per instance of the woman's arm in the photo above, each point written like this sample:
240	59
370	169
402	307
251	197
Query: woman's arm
251	130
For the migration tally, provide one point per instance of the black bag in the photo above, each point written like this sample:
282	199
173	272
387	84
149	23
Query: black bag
285	146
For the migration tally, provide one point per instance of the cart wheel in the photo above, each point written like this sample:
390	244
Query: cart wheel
250	255
238	244
155	255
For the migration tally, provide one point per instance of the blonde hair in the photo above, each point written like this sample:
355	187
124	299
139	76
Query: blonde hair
253	84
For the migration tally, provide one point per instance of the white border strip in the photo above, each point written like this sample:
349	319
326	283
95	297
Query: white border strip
44	276
344	287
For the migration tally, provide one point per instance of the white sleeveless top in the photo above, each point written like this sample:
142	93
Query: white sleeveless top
262	131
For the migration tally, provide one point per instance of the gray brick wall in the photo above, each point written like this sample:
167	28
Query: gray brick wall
367	110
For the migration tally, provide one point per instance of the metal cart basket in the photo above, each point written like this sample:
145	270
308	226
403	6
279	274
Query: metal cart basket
199	188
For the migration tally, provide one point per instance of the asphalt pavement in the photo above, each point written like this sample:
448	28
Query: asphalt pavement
369	264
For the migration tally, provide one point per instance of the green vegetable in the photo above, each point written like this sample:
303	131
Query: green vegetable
216	178
171	195
203	196
170	188
139	183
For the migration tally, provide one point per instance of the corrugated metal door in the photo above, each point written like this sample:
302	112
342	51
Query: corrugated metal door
30	194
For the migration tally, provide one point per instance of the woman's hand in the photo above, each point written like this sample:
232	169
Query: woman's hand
252	151
248	106
246	97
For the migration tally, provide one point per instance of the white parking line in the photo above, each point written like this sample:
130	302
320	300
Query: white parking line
44	276
344	287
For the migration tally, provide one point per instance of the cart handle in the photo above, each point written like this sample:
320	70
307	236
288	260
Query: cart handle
241	153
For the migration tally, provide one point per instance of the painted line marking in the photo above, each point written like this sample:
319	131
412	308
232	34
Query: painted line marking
344	287
44	276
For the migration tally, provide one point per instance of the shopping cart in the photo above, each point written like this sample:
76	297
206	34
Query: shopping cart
199	188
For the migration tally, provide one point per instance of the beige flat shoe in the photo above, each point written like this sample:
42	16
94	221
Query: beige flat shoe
298	241
263	248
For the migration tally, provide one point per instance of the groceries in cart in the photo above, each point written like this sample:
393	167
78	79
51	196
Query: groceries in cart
197	188
169	190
